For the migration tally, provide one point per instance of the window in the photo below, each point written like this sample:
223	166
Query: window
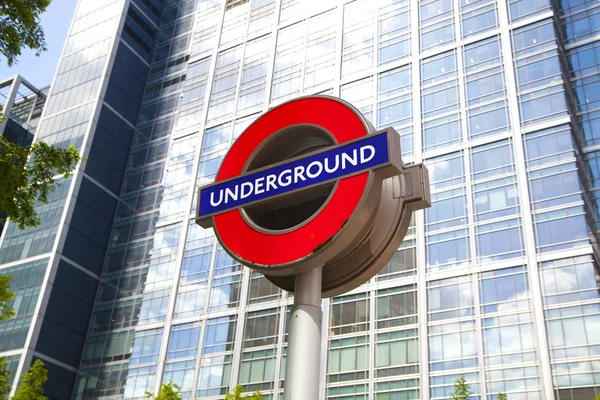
450	298
504	290
397	353
584	62
396	306
225	292
261	289
182	374
235	22
509	339
440	101
213	378
394	31
478	16
407	388
403	263
257	371
518	9
349	314
549	146
561	229
261	15
154	306
360	95
261	328
191	300
184	341
558	185
579	20
447	249
537	100
358	38
320	52
353	392
289	60
222	97
224	264
348	359
452	346
219	335
499	240
254	74
146	346
485	88
192	98
569	280
443	386
139	381
436	23
572	331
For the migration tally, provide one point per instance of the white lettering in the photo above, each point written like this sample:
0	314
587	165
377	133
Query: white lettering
353	160
258	184
231	195
248	185
299	173
319	169
364	159
271	182
337	164
212	198
285	177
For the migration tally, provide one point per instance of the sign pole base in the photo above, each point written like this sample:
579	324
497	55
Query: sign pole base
304	346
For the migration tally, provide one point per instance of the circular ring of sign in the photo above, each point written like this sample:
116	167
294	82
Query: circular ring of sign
344	123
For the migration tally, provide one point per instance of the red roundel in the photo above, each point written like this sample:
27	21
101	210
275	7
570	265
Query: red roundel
275	248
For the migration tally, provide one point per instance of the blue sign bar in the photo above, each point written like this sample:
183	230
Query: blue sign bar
338	162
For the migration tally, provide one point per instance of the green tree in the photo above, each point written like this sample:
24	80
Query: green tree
501	396
4	378
28	177
6	296
167	391
236	394
461	389
20	27
31	384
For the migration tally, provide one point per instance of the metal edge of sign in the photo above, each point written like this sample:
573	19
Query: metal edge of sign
282	131
392	167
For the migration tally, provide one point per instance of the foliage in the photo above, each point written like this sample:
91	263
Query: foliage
236	394
501	396
461	389
30	387
20	27
4	378
168	391
597	397
6	311
25	182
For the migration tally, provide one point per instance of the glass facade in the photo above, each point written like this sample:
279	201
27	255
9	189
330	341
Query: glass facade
119	290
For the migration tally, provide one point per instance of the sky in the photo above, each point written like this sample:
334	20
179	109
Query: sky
39	71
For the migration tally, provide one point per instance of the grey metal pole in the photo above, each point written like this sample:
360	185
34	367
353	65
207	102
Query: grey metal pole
304	347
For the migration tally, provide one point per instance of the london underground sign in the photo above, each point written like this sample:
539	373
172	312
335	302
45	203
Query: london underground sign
314	198
311	183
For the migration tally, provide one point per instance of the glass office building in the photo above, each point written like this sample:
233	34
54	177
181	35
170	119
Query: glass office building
119	290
